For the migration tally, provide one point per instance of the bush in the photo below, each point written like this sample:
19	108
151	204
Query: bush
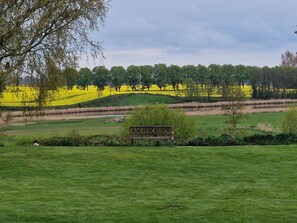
198	141
289	122
223	140
257	139
24	142
183	126
228	140
286	138
97	140
57	141
75	137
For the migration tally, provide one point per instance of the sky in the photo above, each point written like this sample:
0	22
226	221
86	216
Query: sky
182	32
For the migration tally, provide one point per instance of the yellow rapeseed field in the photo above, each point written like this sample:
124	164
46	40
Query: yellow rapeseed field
24	95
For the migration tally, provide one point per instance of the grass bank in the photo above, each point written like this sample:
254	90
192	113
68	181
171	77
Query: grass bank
130	100
179	184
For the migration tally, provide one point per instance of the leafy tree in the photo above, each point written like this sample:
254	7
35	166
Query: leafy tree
290	80
100	77
240	74
215	74
71	76
276	80
38	37
175	74
254	74
32	31
192	90
209	88
160	75
228	73
146	73
133	76
46	80
265	83
203	75
117	74
190	71
228	77
85	77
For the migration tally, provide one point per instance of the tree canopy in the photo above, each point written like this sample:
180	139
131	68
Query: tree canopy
34	30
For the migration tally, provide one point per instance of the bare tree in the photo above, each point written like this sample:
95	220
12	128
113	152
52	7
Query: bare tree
233	106
289	59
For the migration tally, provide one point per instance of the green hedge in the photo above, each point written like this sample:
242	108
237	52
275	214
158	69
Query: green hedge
228	140
223	140
97	140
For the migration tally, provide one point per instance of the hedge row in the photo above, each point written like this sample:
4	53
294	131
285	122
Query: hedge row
98	140
223	140
228	140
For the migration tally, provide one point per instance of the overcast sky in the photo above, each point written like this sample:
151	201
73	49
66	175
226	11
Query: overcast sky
249	32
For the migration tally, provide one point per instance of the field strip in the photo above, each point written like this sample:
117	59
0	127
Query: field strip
192	108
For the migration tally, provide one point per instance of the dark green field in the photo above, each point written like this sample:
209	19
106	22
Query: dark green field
181	184
130	100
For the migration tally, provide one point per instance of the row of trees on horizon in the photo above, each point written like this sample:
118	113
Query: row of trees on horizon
266	82
199	81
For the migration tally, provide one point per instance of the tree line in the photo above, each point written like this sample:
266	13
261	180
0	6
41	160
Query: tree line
199	81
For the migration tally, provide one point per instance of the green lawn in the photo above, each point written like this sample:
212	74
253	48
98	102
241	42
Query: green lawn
43	129
205	125
178	184
215	124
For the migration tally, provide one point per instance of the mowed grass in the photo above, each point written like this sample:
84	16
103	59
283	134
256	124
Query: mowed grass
205	126
257	123
173	184
42	128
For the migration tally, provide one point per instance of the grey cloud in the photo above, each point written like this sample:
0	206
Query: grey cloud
191	26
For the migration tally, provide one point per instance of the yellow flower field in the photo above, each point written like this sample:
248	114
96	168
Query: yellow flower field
24	95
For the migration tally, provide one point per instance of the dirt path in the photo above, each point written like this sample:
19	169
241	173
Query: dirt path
192	108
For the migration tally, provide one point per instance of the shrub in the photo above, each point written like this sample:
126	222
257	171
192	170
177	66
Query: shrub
289	122
211	141
183	126
25	142
257	139
75	137
105	140
57	141
286	138
223	140
228	140
197	141
97	140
